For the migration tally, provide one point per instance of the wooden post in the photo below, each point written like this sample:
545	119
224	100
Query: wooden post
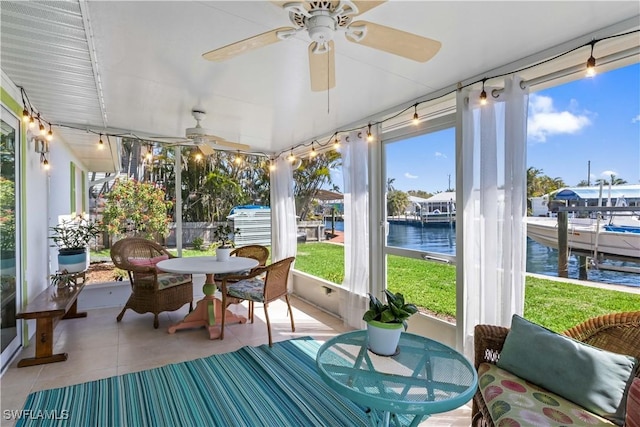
582	263
563	247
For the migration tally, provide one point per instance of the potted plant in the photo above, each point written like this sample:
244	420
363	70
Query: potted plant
62	279
385	322
224	234
72	237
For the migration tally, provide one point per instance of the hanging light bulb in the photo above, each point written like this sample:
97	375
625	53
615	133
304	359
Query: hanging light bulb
49	134
416	119
591	63
272	165
369	134
25	115
149	155
100	143
291	157
45	163
43	130
32	122
313	153
238	159
336	143
483	94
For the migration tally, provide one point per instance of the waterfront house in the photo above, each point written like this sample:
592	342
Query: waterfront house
98	71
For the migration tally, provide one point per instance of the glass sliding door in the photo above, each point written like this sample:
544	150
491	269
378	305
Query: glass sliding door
9	253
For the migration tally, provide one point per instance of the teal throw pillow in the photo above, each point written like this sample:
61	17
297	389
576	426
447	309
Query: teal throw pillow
595	379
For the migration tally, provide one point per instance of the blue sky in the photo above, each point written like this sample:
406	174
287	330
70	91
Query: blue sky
593	119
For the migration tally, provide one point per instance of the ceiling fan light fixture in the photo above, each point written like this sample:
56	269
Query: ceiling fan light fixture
416	118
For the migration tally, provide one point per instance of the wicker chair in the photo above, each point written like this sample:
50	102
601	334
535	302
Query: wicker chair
255	288
616	332
152	291
257	252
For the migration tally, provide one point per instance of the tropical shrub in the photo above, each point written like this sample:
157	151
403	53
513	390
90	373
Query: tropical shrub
136	208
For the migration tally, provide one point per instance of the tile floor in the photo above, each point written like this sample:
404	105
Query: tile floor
99	347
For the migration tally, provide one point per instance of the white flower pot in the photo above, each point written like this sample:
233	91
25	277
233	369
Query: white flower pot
384	337
72	260
222	254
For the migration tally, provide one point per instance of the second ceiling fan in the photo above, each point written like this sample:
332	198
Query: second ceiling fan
322	20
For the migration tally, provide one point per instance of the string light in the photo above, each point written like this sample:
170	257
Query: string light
369	134
291	157
591	62
100	143
44	161
237	159
416	119
32	122
49	134
272	165
336	143
149	155
313	153
25	115
483	94
41	127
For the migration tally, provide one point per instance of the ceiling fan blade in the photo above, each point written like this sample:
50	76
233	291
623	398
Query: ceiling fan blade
217	142
246	45
322	68
206	149
366	5
397	42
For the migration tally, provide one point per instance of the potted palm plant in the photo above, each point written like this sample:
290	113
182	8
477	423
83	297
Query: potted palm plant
72	238
223	235
385	322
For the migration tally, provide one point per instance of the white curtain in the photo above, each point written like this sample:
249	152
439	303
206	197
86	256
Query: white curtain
283	212
494	206
356	228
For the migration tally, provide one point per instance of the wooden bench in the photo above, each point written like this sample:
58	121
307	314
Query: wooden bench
48	308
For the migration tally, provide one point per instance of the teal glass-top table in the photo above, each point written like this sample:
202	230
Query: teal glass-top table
423	378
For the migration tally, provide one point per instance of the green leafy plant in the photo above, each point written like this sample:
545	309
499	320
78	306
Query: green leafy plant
197	243
136	208
224	235
62	279
74	233
120	274
395	311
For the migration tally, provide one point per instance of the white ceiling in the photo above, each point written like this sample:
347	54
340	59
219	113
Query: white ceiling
136	66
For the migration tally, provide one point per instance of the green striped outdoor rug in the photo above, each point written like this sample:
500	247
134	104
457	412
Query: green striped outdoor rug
254	386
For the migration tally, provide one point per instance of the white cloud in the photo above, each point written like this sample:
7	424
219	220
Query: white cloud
545	120
607	174
408	175
439	154
636	119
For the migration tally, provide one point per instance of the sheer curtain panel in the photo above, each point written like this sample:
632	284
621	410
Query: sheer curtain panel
356	228
283	212
494	206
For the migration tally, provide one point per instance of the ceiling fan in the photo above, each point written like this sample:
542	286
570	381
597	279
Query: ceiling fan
202	137
321	20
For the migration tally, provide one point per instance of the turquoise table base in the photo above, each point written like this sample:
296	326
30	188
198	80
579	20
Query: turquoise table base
424	378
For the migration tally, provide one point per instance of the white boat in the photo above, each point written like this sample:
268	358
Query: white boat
588	235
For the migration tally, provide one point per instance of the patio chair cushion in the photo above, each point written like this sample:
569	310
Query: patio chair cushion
251	289
148	261
167	280
593	378
513	401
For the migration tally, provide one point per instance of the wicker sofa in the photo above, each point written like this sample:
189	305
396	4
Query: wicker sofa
617	332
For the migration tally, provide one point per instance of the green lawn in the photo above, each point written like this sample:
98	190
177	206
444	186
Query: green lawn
430	285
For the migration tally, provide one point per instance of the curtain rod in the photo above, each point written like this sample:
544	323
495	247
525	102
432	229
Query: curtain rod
575	69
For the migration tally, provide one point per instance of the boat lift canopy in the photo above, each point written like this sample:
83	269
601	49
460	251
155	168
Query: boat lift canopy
617	191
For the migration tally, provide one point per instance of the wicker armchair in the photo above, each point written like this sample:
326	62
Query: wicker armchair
152	291
254	288
616	332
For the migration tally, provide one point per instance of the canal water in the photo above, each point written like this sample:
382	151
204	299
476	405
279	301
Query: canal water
540	258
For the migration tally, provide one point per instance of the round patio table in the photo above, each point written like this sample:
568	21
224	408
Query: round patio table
209	310
424	377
